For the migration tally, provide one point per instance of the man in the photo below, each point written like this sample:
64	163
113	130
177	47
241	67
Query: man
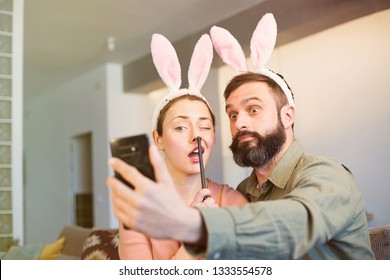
304	207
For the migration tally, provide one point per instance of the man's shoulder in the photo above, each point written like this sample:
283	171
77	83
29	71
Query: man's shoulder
315	166
308	159
301	158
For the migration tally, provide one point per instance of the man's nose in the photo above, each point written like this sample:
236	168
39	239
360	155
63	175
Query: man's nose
240	123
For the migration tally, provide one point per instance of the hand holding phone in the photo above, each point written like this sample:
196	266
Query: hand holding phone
134	151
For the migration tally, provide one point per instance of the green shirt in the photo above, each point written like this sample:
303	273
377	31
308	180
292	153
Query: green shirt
310	208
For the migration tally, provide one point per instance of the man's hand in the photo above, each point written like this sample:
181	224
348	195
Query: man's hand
153	208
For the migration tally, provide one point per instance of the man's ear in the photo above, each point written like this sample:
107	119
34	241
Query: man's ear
158	140
287	116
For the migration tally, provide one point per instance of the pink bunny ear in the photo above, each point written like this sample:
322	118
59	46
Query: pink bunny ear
166	61
263	41
228	49
167	64
200	63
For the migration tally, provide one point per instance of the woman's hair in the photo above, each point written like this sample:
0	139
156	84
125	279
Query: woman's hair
239	80
163	112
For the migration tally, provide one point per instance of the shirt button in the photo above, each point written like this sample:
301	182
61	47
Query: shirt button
217	255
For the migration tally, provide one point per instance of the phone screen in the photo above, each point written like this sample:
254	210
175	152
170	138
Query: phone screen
134	151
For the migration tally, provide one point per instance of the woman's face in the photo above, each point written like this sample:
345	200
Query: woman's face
184	121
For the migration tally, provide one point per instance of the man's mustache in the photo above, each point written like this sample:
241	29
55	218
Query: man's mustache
242	133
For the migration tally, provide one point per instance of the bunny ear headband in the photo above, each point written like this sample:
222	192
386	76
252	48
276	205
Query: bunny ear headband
262	45
168	67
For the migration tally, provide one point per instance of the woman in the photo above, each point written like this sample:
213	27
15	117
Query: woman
180	122
179	119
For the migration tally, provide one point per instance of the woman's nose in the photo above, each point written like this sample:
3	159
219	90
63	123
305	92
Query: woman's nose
195	139
196	132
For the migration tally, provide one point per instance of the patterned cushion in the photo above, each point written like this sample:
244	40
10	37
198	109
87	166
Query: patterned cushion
101	245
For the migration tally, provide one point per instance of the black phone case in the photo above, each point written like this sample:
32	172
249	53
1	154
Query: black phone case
134	151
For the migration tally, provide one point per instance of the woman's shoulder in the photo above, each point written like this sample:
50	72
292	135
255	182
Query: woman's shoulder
212	185
225	194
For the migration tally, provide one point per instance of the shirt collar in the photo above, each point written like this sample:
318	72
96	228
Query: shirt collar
283	170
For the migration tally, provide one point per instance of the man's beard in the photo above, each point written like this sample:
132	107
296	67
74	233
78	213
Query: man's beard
260	150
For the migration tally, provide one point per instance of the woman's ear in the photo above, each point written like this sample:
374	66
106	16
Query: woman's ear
158	140
287	116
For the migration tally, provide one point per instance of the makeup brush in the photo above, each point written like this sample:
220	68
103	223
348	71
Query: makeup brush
202	175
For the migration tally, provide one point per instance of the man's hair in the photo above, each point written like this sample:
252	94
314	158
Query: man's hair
239	80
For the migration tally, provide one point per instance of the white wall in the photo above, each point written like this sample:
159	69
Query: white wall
50	122
340	78
127	113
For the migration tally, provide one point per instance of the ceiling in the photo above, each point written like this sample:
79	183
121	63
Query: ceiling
65	38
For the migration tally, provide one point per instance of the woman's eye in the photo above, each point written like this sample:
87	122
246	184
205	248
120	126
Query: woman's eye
180	128
254	109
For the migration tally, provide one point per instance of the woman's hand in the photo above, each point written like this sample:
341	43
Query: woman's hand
203	199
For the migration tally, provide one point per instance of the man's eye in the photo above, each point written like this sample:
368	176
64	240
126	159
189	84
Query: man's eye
232	116
254	109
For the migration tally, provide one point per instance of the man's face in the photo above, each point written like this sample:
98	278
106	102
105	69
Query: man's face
258	134
260	150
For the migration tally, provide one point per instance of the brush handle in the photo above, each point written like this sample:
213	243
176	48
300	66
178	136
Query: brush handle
202	175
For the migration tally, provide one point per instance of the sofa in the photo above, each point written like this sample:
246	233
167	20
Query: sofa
380	242
79	243
89	243
73	243
82	243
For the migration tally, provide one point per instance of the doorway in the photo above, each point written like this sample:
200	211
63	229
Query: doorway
81	180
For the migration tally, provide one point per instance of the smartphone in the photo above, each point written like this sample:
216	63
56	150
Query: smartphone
134	151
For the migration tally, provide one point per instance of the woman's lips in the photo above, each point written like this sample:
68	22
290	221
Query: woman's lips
194	155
